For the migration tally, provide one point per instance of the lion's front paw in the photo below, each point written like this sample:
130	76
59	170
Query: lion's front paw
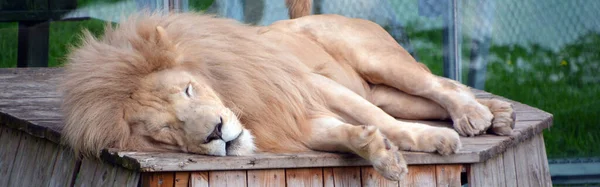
382	153
504	116
472	119
390	164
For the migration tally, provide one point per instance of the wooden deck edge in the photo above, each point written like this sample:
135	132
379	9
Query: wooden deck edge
29	127
513	141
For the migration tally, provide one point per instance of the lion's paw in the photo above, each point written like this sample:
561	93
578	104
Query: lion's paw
383	154
389	162
442	140
472	119
504	116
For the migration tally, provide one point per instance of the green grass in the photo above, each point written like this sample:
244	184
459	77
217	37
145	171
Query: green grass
565	83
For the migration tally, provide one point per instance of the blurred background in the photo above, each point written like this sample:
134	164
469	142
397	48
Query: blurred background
543	53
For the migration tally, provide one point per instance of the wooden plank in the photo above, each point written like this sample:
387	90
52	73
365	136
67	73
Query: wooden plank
24	164
448	175
270	177
104	175
199	179
87	171
304	177
522	165
346	176
44	163
370	177
328	177
11	140
510	175
543	160
158	179
65	167
536	175
124	177
499	171
227	178
488	173
182	179
419	175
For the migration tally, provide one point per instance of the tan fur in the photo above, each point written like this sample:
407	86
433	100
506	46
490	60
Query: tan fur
298	8
168	82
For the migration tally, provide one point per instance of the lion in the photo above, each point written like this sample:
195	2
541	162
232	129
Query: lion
194	83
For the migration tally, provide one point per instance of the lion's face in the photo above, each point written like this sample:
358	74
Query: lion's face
180	112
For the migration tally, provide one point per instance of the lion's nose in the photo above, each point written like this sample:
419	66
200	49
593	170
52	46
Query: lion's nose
216	133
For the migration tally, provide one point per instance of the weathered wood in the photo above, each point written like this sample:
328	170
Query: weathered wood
543	158
199	179
158	179
310	177
270	177
87	171
24	164
227	178
488	173
10	141
346	176
124	177
63	173
105	174
422	175
328	180
448	175
508	159
44	163
522	164
370	177
534	169
182	179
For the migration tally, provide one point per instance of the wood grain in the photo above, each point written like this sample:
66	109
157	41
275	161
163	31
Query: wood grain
45	163
370	177
10	141
543	160
346	176
64	169
268	177
199	179
419	176
87	171
310	177
182	179
227	178
158	179
448	175
24	165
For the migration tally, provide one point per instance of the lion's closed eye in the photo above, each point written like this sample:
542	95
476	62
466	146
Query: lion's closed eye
189	91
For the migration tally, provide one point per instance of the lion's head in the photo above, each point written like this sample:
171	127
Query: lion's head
132	90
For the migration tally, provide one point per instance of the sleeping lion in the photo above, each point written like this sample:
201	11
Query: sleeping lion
204	85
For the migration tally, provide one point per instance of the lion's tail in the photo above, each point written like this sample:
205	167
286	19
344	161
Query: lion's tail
299	8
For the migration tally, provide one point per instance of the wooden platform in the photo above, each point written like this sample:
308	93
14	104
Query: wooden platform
31	154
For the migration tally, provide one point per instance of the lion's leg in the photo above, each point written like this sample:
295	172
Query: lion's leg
331	134
375	55
405	106
408	136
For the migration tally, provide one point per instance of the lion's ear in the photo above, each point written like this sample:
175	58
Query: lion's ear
162	38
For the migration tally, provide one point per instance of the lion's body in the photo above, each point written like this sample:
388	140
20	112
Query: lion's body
296	86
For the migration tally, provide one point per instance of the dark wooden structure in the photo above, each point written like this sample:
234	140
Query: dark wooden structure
31	154
34	17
